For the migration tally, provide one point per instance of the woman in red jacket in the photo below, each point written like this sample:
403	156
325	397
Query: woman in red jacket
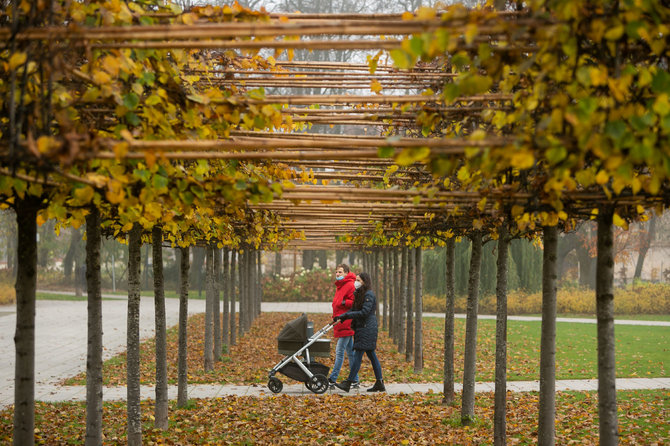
342	302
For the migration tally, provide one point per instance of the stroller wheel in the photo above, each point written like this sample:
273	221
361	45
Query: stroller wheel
275	385
318	383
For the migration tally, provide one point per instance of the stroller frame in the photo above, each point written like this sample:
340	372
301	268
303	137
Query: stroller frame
316	382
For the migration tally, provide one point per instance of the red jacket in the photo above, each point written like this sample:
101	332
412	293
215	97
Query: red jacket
344	291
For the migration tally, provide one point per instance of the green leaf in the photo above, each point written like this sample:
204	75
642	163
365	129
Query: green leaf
131	100
616	130
556	154
160	182
401	59
661	82
409	156
416	46
240	184
132	118
385	152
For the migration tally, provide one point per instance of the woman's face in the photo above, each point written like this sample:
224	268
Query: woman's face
358	279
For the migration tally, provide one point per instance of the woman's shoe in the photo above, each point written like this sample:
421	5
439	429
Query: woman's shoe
378	387
344	385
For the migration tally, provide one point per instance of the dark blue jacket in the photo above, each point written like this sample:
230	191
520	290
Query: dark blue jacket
364	323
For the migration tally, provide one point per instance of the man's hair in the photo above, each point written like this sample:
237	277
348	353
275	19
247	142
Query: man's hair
344	266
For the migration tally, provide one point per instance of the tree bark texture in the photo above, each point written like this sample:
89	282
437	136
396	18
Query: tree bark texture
225	280
209	310
409	306
393	307
241	274
448	387
133	409
233	297
24	338
182	363
607	403
547	414
94	334
500	406
388	286
470	357
418	309
216	305
277	266
259	282
161	408
402	302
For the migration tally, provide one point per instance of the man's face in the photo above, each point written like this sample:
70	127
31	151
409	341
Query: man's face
339	272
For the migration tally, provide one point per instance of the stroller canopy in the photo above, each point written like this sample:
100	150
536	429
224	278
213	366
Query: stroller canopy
295	330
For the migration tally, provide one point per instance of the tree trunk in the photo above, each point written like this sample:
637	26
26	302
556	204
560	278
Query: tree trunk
448	390
225	323
607	404
94	349
387	290
24	339
69	260
277	268
134	412
547	413
241	274
409	306
182	362
393	291
402	302
233	296
418	308
216	305
161	408
209	309
470	357
197	267
647	238
259	281
500	409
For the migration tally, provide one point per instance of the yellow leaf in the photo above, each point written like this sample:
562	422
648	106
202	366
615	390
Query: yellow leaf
522	160
40	219
121	150
16	60
426	13
115	193
602	177
375	86
620	222
407	15
84	194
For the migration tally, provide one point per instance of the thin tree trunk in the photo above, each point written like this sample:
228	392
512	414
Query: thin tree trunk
209	309
387	290
277	268
402	307
470	357
241	274
161	408
500	407
607	403
418	308
225	280
379	286
94	350
546	431
448	389
216	305
24	339
409	306
134	412
182	366
393	264
259	281
233	296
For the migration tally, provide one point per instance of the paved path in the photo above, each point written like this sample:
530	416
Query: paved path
61	345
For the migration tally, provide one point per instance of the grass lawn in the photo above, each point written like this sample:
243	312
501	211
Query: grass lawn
334	419
641	352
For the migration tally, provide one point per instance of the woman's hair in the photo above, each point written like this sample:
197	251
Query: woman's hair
359	294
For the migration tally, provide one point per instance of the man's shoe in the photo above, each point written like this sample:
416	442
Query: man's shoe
378	387
344	385
356	385
331	383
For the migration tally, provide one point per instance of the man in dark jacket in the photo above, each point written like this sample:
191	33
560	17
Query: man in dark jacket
342	302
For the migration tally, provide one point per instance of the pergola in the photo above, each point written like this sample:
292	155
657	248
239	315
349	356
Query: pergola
398	117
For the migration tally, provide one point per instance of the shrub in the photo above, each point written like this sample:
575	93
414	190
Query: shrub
305	286
638	298
7	294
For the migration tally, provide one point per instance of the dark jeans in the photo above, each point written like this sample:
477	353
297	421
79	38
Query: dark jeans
356	364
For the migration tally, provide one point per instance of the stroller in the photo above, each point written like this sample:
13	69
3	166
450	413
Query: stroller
297	339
